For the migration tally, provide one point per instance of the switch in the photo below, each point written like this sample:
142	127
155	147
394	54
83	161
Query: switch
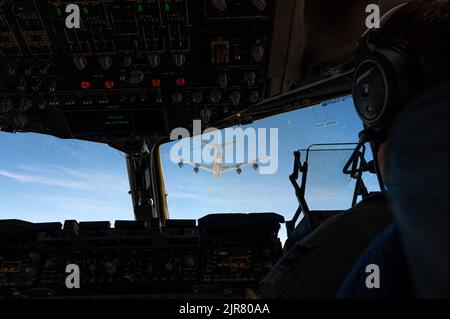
29	70
80	62
224	79
260	4
52	85
127	61
37	85
254	96
12	70
22	87
106	62
154	60
220	52
258	54
44	70
205	115
220	5
250	78
235	97
179	59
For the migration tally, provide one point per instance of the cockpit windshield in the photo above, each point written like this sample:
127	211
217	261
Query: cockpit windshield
194	189
43	179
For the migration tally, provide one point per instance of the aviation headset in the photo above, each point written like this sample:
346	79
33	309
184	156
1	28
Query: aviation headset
385	78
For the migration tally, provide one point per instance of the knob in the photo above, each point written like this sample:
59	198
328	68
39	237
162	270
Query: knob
220	5
154	60
80	62
197	98
136	77
168	265
189	262
258	54
110	267
30	271
7	105
106	62
215	97
235	97
250	78
179	59
25	104
21	120
260	4
224	79
177	97
254	96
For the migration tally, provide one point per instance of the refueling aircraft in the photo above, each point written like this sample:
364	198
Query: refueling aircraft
217	168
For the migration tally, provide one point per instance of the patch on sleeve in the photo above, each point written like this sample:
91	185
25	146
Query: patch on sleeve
294	256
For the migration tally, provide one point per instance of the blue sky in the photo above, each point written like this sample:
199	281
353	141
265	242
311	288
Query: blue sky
43	178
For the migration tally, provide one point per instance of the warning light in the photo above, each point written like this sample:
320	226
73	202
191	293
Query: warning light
156	83
85	85
167	8
181	82
109	84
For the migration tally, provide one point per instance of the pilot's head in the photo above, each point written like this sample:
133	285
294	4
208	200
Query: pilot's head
397	63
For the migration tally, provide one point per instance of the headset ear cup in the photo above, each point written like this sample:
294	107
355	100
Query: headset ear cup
373	91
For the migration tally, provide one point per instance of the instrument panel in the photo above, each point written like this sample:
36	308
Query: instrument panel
132	68
134	258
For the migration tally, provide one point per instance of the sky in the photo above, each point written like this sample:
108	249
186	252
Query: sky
43	178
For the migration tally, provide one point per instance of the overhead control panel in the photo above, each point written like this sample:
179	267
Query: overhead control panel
132	68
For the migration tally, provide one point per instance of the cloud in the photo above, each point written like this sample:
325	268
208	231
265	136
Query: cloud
60	176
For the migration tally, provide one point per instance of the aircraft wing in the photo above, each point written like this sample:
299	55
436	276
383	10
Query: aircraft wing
208	168
226	168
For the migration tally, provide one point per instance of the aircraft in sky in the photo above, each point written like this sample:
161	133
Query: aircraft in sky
217	168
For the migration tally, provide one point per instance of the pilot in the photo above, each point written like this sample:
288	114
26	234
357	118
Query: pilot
399	65
412	256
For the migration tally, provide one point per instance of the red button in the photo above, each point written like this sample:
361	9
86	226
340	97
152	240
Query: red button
85	85
181	82
156	83
109	84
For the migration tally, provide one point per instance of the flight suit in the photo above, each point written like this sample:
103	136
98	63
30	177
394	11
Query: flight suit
317	265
